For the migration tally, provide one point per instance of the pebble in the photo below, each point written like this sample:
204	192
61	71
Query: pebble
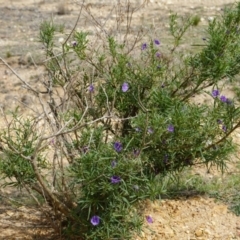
61	40
210	19
198	232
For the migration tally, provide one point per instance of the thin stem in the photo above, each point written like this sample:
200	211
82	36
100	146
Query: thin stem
23	81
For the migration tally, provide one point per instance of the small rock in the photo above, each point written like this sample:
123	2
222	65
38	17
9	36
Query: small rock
143	234
61	40
210	19
213	223
198	232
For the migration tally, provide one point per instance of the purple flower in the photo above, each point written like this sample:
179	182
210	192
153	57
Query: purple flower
129	64
85	149
219	121
156	41
91	88
52	142
150	130
95	220
149	219
144	46
224	128
158	54
137	129
125	87
114	163
136	152
74	43
215	93
223	99
115	179
117	146
170	128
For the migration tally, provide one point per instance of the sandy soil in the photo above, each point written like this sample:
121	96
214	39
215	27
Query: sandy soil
197	217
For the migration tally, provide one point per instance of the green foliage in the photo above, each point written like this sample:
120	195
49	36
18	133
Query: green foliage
80	44
20	139
195	20
8	54
47	31
236	207
179	26
123	121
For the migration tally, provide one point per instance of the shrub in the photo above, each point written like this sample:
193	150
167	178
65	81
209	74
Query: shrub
118	118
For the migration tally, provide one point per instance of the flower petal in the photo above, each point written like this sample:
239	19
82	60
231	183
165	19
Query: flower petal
125	87
95	220
149	219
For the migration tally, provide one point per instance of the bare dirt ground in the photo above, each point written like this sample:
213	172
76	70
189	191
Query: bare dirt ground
197	217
